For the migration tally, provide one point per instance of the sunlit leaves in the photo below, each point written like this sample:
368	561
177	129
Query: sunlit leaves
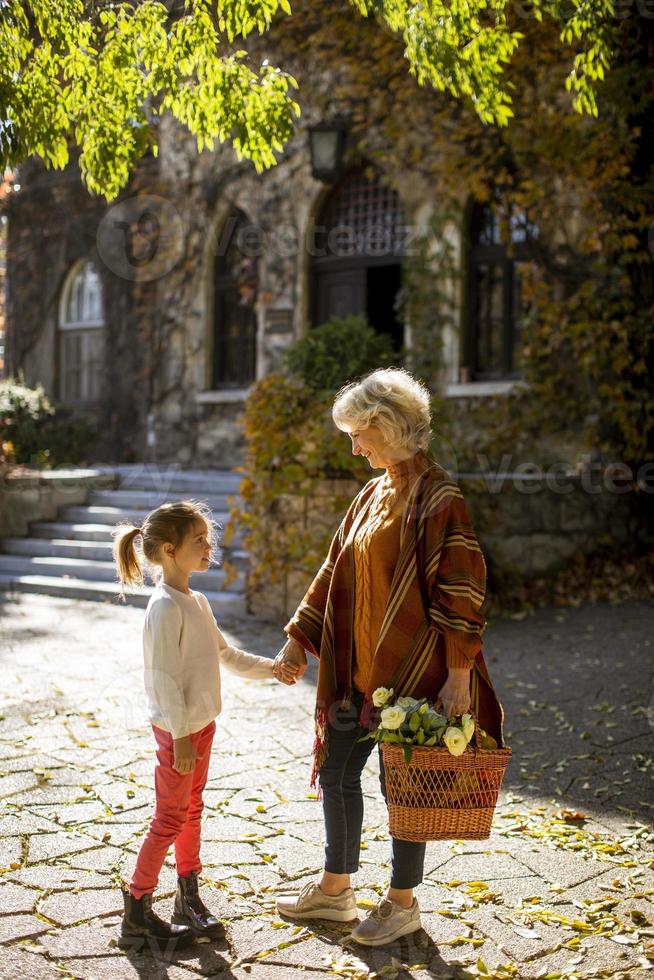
105	80
462	46
596	21
458	47
241	17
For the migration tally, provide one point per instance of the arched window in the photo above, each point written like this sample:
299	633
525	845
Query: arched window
358	247
235	296
81	336
499	250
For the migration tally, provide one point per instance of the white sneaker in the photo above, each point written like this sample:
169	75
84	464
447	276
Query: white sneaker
387	921
312	903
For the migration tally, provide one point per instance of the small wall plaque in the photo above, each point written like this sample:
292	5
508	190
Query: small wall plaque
279	321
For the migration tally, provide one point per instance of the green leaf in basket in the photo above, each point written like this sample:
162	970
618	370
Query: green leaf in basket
420	737
414	721
431	740
431	720
408	752
391	737
438	735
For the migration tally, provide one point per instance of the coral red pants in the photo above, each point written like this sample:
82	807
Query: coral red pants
178	812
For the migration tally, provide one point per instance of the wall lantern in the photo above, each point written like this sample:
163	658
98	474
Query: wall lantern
327	144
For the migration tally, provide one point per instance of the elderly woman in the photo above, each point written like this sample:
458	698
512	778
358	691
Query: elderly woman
395	604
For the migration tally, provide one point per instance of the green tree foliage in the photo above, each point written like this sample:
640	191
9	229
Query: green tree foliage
99	76
103	74
462	46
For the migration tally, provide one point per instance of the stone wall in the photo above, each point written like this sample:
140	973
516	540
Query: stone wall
530	525
508	444
38	496
527	526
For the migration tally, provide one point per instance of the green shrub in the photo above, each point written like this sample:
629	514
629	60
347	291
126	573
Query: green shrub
338	351
39	432
69	437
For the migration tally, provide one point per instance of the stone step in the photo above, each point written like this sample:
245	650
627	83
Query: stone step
72	555
99	571
147	500
116	515
224	604
72	531
42	547
163	479
66	530
52	547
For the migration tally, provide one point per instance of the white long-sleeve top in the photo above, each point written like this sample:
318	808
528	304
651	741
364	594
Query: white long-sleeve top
183	649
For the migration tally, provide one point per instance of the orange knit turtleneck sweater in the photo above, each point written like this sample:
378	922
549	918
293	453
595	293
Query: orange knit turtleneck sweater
376	550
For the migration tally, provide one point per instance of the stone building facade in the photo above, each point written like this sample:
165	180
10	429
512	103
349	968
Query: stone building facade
156	313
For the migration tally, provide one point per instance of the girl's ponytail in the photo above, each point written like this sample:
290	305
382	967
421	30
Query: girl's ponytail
126	558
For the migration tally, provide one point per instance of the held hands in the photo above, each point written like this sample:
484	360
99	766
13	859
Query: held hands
290	663
455	692
185	755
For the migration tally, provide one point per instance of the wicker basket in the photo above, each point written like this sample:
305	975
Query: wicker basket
440	796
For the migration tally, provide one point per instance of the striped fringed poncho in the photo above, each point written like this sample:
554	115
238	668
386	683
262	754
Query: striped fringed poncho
412	652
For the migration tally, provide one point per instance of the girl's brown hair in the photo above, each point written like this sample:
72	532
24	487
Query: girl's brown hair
168	524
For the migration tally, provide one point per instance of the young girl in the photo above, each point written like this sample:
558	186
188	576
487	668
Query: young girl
183	649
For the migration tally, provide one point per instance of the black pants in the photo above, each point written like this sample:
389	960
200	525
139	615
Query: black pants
342	800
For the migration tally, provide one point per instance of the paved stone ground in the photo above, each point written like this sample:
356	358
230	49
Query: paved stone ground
541	898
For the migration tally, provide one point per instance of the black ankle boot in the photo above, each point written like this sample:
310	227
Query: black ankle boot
191	911
141	925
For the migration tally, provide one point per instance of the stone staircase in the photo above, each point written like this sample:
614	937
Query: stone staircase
71	556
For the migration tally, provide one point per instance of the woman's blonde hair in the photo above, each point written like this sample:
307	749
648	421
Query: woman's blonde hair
392	400
168	524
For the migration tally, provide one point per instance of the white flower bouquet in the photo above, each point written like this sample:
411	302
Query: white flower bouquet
438	786
411	721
